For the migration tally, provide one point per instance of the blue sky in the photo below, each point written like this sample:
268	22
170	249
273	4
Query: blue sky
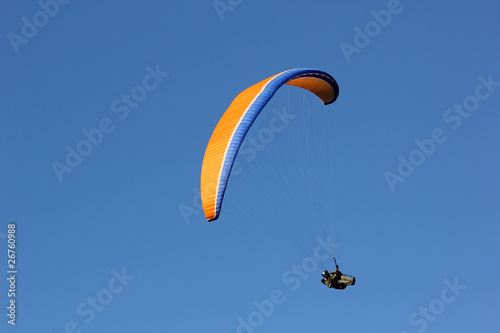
107	108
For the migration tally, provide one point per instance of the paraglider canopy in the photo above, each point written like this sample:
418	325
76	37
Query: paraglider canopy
229	133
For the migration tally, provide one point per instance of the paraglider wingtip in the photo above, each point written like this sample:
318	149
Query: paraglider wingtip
332	100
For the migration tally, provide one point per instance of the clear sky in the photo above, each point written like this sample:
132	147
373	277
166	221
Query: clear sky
106	111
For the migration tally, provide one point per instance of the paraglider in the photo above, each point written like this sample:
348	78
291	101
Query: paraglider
336	279
229	133
227	138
